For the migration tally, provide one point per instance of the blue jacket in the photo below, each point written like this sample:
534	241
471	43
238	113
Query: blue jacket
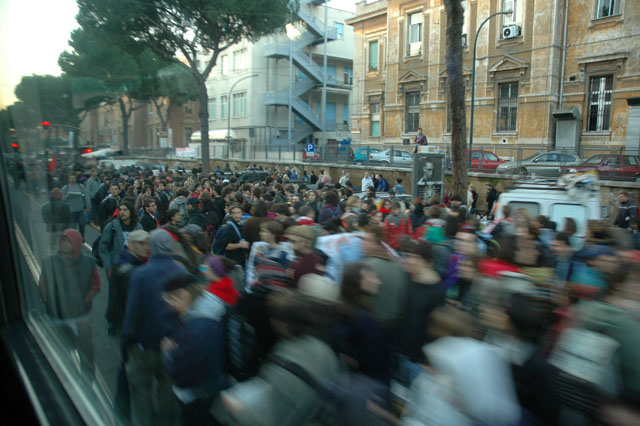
197	365
147	317
383	186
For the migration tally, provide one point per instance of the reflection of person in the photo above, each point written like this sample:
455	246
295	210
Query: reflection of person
427	173
68	282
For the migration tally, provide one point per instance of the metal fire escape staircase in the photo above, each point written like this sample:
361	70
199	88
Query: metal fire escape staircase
313	73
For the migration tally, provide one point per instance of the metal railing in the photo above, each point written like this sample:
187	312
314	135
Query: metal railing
370	154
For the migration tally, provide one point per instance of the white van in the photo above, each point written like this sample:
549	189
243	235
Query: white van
574	196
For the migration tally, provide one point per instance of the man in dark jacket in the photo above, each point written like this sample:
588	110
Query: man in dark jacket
146	322
108	206
626	212
148	220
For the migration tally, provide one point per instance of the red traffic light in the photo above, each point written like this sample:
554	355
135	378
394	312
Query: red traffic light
14	145
87	150
45	124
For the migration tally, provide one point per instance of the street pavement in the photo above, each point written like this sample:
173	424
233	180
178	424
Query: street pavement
26	211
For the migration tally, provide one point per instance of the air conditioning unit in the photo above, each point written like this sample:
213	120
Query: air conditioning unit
511	31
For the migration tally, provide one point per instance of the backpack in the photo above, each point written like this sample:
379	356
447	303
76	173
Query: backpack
249	334
347	400
95	247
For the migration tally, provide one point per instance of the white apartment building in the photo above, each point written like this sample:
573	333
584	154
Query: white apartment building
251	83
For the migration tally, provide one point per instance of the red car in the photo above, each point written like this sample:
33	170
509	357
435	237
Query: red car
611	166
311	157
484	161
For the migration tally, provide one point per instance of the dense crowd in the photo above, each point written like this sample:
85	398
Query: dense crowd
292	301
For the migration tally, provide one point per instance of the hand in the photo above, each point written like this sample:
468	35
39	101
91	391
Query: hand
244	244
167	345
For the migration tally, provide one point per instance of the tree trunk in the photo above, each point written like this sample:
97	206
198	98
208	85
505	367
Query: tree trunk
456	98
204	124
125	125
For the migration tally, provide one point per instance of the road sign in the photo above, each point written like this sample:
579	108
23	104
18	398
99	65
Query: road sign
310	148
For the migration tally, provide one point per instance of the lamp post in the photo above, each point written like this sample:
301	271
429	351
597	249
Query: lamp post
229	106
473	79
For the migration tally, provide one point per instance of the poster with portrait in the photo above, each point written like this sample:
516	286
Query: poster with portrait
428	175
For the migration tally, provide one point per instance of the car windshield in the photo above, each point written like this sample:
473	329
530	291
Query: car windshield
596	159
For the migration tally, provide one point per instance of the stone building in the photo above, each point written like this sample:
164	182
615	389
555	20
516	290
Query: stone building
103	125
530	80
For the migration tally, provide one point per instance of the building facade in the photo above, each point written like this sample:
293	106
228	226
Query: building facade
251	82
528	75
103	126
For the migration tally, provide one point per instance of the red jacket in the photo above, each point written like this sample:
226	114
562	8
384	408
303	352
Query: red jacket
225	290
393	233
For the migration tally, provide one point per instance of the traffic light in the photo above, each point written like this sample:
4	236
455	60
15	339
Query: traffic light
45	125
14	146
87	151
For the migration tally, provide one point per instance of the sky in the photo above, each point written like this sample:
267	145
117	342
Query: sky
35	32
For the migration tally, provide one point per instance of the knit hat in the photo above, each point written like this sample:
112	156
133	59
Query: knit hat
216	265
193	200
138	236
305	232
178	282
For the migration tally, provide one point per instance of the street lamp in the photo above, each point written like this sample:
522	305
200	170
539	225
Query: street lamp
292	34
229	106
473	79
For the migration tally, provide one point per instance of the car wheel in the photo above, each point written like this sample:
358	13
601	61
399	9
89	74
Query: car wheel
359	161
385	163
520	172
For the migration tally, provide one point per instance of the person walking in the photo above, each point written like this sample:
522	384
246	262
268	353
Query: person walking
77	197
93	187
147	320
116	233
367	182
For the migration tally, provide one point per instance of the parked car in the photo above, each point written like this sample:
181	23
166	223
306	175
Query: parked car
401	158
360	155
611	166
311	156
484	161
542	164
252	176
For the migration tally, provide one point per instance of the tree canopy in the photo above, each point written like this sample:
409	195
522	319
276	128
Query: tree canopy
45	98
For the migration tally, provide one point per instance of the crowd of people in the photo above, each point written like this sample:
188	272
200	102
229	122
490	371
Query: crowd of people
279	303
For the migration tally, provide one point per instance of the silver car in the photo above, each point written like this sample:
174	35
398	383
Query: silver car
543	164
401	158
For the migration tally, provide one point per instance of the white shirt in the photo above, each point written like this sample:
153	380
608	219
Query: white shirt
366	183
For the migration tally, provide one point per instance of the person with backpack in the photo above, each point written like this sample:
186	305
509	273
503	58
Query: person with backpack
284	392
330	210
77	197
229	241
55	215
